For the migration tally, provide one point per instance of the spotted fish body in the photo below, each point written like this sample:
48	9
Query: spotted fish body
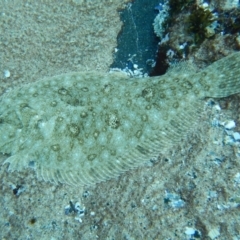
83	128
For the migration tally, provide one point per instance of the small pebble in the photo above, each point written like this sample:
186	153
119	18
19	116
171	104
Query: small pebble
205	5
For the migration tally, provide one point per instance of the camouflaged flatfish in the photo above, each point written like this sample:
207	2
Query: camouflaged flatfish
83	128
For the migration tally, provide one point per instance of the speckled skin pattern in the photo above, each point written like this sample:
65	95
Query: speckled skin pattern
83	128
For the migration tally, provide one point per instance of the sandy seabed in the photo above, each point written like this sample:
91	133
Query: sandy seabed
45	38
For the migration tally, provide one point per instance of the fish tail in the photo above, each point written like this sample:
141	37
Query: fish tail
222	78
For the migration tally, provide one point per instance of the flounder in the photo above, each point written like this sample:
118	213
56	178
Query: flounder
85	127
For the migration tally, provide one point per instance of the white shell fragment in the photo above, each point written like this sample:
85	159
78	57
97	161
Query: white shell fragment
236	136
230	125
217	107
189	231
214	233
7	73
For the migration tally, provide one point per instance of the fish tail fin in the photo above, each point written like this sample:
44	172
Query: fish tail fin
222	78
